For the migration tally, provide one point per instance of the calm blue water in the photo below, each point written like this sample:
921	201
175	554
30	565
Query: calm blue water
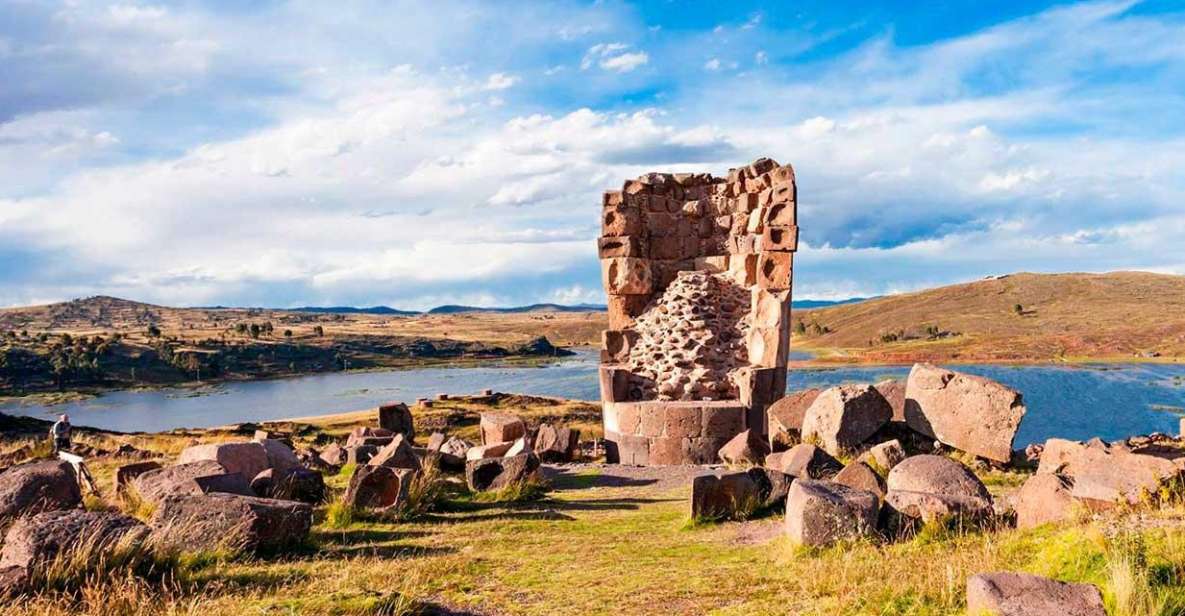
1110	401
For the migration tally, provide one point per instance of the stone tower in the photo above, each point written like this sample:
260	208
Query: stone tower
698	270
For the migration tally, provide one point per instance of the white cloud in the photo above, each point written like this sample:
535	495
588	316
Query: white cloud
713	64
613	57
501	81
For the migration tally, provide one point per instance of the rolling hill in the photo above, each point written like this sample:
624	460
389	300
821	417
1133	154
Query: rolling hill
1019	317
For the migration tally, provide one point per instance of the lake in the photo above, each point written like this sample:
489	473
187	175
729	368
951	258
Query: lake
1111	401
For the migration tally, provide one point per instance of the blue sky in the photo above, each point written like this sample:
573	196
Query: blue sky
416	154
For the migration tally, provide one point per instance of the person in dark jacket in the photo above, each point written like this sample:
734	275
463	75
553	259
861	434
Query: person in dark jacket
60	434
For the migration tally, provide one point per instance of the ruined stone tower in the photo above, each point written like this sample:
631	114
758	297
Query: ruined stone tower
698	273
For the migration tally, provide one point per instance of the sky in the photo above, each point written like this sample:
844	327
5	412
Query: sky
413	154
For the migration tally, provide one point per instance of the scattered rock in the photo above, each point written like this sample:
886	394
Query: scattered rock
498	473
820	513
748	447
211	521
333	455
397	454
1021	594
555	445
483	452
192	478
936	475
1044	498
894	392
807	462
360	454
248	459
1106	474
772	485
363	435
27	489
35	541
397	419
126	473
378	487
453	454
279	455
887	455
519	446
724	495
970	413
843	417
501	428
860	476
907	508
784	418
298	484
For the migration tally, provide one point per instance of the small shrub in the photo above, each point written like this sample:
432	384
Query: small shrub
340	515
528	489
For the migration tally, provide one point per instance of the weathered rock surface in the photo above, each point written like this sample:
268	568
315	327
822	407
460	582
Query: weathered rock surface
298	484
192	478
483	452
126	473
35	541
894	392
556	444
970	413
453	454
910	507
772	485
1021	594
26	489
248	459
498	473
724	495
936	475
819	513
806	462
501	428
333	455
784	418
748	447
280	455
211	521
1103	473
397	454
1045	498
860	476
397	419
378	487
361	454
843	417
886	455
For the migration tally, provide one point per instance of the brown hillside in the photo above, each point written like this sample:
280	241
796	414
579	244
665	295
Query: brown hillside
1121	315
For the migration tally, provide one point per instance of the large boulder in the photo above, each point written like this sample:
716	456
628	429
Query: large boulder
1105	474
192	478
1043	499
397	454
724	495
1020	594
212	521
929	488
35	541
820	513
784	418
556	444
746	448
843	417
936	475
970	413
279	455
772	485
298	484
26	489
498	473
396	418
805	461
248	459
483	452
501	428
378	487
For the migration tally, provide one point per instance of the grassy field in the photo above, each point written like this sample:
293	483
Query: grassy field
1126	316
609	539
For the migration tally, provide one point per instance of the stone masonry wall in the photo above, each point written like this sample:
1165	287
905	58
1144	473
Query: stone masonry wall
698	271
